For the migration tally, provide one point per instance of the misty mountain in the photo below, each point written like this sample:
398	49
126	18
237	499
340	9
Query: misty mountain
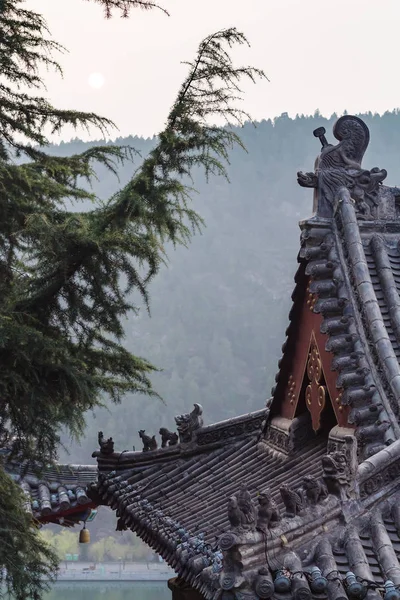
219	309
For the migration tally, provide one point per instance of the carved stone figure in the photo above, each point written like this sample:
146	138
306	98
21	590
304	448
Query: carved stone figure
169	438
309	180
268	513
234	512
337	474
106	446
347	444
315	489
188	423
340	166
292	500
241	510
300	430
149	443
92	491
246	506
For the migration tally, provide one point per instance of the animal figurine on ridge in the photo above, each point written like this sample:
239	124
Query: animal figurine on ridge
292	500
169	438
241	511
268	513
188	423
149	443
106	446
315	489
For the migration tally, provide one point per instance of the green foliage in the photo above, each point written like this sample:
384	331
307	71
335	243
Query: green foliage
67	276
107	548
25	558
24	48
64	542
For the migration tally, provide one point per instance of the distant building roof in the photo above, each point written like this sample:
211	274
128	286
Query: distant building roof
58	494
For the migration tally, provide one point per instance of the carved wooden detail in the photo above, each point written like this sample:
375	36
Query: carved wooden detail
311	299
291	391
315	392
338	401
308	333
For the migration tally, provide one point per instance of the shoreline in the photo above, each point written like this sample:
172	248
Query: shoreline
113	572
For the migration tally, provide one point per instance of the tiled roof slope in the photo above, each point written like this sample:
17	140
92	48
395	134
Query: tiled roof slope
59	494
179	501
194	489
176	498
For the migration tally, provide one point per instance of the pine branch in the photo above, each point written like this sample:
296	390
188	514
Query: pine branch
187	142
66	278
76	261
125	6
29	565
24	49
57	363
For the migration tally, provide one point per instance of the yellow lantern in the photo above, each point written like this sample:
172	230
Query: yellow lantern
84	535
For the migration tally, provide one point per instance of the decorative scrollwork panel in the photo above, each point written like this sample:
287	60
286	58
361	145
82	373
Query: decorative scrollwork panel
316	392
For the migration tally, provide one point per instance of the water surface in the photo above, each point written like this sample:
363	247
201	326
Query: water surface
132	590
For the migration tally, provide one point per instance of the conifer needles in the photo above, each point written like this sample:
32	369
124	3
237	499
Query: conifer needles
67	277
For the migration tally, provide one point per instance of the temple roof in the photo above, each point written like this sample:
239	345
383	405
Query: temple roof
299	499
181	505
349	274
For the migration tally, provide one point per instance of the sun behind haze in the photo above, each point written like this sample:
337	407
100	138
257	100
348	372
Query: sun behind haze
96	80
331	56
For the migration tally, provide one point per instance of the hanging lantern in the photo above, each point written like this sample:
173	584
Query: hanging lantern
84	535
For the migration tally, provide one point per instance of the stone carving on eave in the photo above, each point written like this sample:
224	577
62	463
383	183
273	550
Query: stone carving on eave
295	545
306	508
189	423
340	166
191	434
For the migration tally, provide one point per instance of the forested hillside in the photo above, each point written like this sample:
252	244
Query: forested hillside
219	310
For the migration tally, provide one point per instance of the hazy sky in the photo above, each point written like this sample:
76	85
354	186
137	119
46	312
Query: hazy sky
327	54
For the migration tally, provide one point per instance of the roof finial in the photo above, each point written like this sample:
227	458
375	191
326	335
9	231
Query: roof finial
320	133
339	166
